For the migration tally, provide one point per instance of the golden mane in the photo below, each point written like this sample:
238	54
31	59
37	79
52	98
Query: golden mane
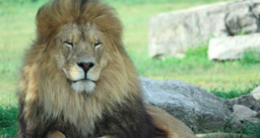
42	84
56	13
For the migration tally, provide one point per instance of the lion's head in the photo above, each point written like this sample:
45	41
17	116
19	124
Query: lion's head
77	66
77	70
84	36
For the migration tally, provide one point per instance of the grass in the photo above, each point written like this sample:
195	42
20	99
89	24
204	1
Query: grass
251	130
225	79
250	57
8	121
233	92
196	69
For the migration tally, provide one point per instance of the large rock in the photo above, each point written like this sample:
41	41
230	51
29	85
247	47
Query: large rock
244	19
197	108
231	48
173	33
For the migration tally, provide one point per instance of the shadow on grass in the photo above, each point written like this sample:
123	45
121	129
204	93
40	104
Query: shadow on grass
8	121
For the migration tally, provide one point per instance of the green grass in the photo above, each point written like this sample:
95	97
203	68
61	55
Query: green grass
196	69
250	57
252	130
8	121
225	79
233	92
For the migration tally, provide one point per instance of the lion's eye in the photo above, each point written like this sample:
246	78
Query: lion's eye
68	43
97	44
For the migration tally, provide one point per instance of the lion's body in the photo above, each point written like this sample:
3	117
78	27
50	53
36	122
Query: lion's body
106	102
167	125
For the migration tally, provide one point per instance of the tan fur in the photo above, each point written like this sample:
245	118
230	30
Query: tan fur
166	122
41	71
55	134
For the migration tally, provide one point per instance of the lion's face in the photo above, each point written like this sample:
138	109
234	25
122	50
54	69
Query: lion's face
80	55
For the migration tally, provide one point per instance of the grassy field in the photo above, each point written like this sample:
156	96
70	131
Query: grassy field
225	79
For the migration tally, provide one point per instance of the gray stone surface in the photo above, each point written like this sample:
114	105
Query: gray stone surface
256	93
197	108
232	48
243	112
246	100
244	19
173	33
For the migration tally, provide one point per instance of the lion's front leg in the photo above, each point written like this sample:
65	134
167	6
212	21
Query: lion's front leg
55	134
58	134
107	137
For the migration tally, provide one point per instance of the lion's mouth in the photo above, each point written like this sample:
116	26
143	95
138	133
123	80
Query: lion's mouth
83	85
84	79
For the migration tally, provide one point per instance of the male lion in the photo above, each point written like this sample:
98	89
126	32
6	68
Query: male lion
77	78
78	82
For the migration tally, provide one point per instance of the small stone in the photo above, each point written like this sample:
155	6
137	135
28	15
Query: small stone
243	112
256	93
253	120
246	100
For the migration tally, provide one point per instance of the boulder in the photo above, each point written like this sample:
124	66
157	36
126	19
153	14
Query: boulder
173	33
256	93
200	110
244	19
232	48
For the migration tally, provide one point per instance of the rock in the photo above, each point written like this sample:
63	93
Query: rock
258	115
231	48
197	108
256	93
246	100
253	120
173	33
243	112
243	19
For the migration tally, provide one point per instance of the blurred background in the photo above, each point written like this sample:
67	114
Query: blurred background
226	79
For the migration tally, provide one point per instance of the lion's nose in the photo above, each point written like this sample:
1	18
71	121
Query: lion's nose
86	66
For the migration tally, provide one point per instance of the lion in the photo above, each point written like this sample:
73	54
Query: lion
77	80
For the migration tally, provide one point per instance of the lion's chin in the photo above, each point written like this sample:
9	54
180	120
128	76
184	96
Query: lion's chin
83	86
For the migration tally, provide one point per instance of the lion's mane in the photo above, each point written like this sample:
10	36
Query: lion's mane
42	85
